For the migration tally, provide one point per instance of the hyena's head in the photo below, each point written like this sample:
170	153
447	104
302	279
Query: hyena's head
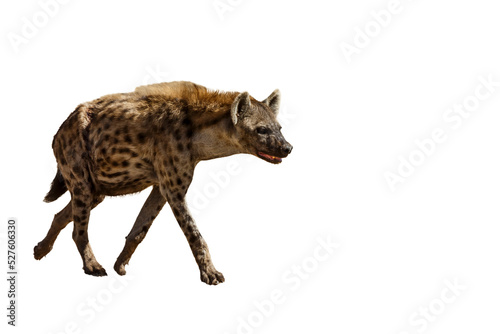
257	128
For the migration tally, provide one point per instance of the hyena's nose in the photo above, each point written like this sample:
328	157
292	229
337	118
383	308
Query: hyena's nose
287	148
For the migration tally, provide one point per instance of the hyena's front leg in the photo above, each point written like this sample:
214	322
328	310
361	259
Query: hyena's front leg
199	247
149	211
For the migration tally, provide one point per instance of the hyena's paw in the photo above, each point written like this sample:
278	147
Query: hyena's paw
95	270
211	276
41	250
120	268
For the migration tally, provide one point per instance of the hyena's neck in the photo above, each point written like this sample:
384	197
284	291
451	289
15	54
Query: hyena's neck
215	139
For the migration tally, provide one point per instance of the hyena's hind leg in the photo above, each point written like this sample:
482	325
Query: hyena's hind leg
149	211
82	200
61	220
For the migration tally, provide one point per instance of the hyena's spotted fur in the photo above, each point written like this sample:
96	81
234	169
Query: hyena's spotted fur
154	136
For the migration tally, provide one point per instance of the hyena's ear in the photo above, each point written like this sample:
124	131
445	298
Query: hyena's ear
240	106
273	101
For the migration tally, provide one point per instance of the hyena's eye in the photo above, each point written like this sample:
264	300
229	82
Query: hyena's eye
262	130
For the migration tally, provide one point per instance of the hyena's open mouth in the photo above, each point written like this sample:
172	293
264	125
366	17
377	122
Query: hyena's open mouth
269	158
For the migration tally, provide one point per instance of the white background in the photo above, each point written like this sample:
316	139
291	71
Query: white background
348	122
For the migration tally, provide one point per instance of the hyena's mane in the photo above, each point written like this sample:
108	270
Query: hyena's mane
191	93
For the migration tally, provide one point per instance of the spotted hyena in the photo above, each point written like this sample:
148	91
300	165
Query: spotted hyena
123	143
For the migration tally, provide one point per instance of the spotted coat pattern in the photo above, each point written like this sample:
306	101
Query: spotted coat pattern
153	137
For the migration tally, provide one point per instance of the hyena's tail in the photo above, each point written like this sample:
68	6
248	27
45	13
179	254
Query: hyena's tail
57	188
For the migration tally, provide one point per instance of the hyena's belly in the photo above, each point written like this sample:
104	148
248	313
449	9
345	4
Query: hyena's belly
121	181
120	170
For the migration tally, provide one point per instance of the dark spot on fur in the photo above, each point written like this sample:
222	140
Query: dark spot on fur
124	150
81	232
146	228
179	196
77	169
117	132
114	174
79	203
186	122
193	238
128	139
177	134
141	137
138	165
179	181
125	163
77	191
145	98
107	104
103	150
176	212
180	147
